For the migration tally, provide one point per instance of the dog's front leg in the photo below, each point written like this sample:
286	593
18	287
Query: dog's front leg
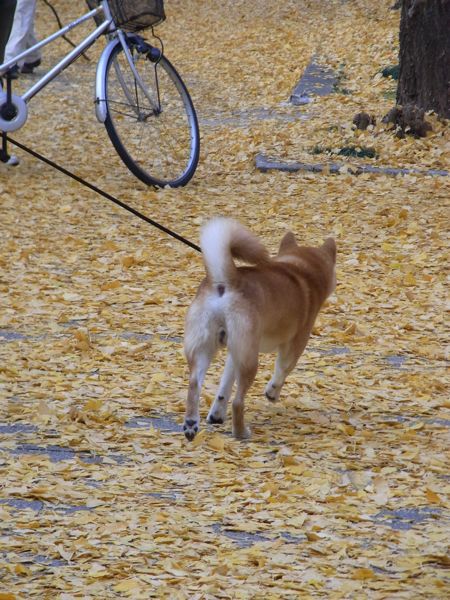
287	358
197	372
218	411
273	388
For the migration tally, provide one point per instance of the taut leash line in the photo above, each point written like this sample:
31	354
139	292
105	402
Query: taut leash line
109	197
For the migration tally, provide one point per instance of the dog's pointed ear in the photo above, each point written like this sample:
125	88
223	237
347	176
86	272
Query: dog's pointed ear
287	242
330	246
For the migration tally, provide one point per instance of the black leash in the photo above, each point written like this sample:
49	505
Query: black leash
60	25
94	188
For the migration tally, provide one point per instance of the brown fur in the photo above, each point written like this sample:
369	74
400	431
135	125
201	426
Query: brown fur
250	309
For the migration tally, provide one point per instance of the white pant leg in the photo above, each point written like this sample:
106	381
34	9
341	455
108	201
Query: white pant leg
22	33
31	41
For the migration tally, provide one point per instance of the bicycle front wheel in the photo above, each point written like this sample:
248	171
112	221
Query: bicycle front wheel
152	122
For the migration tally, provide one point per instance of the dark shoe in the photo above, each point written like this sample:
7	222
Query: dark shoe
9	159
29	67
13	73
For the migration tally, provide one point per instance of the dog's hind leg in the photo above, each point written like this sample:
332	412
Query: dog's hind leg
198	366
200	347
243	347
218	411
245	378
243	331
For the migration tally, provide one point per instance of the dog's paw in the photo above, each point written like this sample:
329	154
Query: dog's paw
214	419
218	411
270	398
190	428
242	434
272	392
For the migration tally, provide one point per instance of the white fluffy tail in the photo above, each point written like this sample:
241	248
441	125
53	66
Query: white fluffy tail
223	239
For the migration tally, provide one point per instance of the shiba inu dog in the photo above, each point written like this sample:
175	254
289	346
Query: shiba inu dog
270	305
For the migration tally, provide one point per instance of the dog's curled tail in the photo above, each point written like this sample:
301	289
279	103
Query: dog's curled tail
223	239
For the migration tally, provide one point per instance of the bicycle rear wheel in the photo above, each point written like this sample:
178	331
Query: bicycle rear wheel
155	132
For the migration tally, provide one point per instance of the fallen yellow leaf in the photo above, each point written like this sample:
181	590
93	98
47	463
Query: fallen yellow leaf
433	497
127	585
217	442
363	574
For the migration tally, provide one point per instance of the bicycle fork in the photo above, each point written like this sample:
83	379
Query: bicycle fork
144	48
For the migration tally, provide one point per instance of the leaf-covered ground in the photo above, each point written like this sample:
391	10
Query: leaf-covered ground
343	491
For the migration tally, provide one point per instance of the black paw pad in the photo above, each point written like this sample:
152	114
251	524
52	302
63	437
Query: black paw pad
190	435
215	420
186	427
190	428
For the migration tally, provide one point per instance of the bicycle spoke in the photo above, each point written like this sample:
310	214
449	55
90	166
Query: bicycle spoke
155	130
150	112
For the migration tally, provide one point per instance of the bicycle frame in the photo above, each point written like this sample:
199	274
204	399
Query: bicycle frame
107	26
133	78
68	59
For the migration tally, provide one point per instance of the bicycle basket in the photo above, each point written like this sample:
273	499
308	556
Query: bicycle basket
134	15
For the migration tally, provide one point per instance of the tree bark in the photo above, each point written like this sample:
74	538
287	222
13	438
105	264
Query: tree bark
424	76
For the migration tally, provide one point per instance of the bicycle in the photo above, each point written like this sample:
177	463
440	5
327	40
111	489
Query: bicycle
139	96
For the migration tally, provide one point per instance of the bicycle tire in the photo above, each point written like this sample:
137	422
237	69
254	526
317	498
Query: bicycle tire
159	141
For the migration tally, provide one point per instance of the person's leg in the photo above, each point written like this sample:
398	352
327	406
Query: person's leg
7	8
33	60
23	24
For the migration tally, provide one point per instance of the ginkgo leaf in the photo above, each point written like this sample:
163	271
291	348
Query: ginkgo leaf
216	442
127	585
342	490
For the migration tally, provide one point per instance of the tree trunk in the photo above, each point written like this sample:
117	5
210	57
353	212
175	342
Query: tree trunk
424	76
